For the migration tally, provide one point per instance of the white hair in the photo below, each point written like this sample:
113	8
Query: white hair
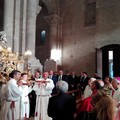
62	86
116	80
92	79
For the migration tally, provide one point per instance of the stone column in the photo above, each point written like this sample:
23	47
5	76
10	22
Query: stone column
23	17
12	23
31	25
8	20
33	9
16	26
53	21
30	28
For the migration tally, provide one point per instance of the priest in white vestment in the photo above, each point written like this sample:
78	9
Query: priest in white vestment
43	88
11	108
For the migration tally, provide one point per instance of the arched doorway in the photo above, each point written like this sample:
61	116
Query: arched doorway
111	60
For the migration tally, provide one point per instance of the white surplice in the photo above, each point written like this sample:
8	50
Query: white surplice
25	106
43	94
12	94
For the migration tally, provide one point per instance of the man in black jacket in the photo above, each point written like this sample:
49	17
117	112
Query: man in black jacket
62	106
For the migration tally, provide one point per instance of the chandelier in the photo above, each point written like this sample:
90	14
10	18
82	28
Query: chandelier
10	60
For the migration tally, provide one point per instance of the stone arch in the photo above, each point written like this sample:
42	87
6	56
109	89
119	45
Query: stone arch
99	44
116	59
103	61
51	5
41	25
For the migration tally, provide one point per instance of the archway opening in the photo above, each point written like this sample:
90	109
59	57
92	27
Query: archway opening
111	60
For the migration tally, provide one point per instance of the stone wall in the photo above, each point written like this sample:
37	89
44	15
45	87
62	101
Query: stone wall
79	43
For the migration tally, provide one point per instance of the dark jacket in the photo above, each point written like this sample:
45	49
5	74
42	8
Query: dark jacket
62	107
84	115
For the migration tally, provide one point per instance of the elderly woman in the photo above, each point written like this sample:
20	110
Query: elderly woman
62	106
88	92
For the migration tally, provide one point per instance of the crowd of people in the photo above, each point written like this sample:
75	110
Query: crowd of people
44	96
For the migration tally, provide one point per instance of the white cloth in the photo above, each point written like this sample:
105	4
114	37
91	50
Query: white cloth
2	96
87	92
43	93
37	79
3	92
116	95
12	93
25	100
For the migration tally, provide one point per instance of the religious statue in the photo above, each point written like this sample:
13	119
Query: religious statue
3	37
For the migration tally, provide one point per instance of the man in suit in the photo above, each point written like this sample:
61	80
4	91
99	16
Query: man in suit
62	106
61	76
84	81
54	78
80	77
73	81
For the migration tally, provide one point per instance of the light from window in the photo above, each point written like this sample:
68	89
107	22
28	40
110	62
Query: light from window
43	35
56	54
111	55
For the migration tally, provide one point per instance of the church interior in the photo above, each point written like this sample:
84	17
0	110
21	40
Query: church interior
81	37
78	35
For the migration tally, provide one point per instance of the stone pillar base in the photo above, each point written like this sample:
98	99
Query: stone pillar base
50	65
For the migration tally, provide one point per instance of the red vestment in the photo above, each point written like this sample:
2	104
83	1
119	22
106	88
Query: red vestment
86	104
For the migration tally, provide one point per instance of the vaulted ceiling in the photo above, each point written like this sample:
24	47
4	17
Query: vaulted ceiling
57	6
51	5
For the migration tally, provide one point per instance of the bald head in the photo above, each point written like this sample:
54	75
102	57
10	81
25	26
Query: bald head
115	83
97	85
101	83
